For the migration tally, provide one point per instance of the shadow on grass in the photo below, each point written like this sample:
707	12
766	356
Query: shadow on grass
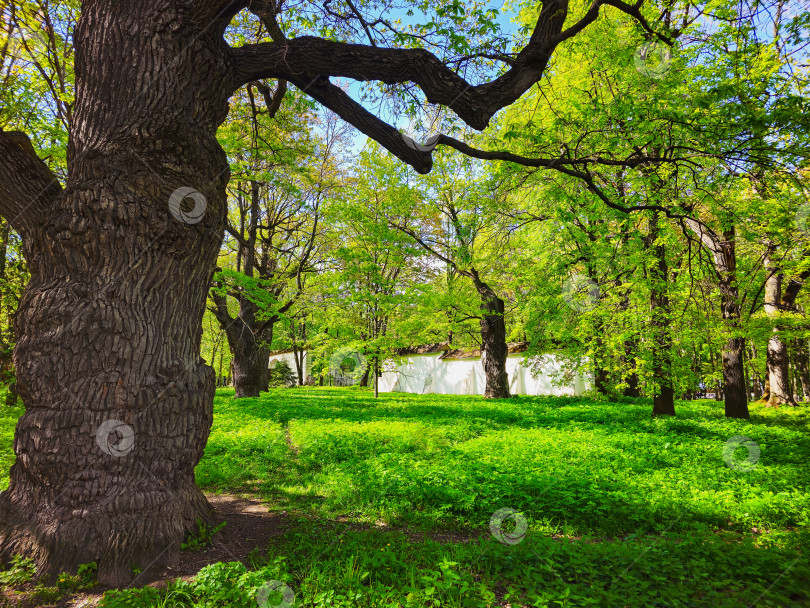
438	462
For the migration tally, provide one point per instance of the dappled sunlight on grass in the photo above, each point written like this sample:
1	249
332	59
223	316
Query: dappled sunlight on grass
388	503
434	461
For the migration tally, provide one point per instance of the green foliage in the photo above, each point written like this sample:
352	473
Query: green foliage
282	375
85	578
20	570
8	421
623	509
334	566
222	584
569	464
203	536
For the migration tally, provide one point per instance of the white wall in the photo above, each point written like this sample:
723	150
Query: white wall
430	374
290	359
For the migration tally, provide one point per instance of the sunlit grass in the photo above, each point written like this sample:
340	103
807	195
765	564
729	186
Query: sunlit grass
623	510
573	465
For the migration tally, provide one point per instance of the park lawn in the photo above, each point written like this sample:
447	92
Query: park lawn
623	510
572	466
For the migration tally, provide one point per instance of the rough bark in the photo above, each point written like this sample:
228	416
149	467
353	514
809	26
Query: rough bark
777	358
722	248
493	340
250	354
779	372
6	338
250	371
664	394
734	391
109	327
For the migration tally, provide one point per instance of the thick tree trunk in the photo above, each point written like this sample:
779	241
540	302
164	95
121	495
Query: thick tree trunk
663	395
250	359
778	372
777	358
736	399
366	375
493	341
118	401
250	367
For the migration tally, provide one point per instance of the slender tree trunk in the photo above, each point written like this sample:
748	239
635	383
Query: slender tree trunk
632	389
664	394
118	400
756	385
753	375
376	378
221	357
802	361
736	398
601	372
723	250
298	356
298	353
493	341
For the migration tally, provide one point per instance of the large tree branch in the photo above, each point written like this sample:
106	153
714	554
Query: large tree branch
633	161
336	99
309	61
712	242
794	286
27	186
474	104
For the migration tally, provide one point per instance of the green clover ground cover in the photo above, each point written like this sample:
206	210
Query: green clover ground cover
623	510
571	466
